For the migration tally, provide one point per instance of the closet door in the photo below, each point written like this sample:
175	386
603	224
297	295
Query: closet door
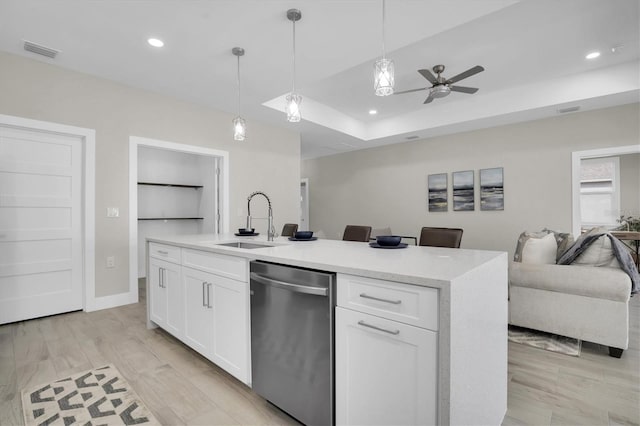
40	224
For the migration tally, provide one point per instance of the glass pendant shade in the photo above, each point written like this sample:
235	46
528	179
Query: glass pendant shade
384	77
293	107
239	128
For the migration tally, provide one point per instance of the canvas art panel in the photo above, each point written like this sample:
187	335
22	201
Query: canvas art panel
463	191
492	189
437	186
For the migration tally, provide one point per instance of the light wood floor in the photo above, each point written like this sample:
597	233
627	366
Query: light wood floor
180	387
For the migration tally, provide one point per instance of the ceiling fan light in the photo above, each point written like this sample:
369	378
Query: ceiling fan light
440	91
239	129
292	107
384	77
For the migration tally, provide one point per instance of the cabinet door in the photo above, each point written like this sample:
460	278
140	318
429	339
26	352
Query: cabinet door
165	293
175	308
386	371
198	307
157	293
231	326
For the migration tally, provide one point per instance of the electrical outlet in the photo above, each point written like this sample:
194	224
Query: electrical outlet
113	212
111	262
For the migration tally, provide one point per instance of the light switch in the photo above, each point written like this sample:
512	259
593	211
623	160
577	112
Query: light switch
113	212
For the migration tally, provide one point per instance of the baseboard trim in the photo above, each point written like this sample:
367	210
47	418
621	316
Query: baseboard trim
112	301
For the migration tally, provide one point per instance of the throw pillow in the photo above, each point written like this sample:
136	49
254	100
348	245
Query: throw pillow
522	241
563	239
536	247
540	250
599	253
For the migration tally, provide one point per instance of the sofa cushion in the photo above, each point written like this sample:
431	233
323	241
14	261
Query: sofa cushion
536	247
603	283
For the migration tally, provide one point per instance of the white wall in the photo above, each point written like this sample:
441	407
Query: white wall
41	91
387	186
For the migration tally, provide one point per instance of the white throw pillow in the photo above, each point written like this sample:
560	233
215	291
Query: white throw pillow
540	250
599	253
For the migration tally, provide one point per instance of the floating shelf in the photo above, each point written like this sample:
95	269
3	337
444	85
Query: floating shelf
170	218
170	184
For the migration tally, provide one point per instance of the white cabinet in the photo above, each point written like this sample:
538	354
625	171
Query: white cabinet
204	301
165	296
386	370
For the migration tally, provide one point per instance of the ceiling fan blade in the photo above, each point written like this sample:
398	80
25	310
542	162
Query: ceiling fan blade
463	89
467	73
429	99
409	91
429	76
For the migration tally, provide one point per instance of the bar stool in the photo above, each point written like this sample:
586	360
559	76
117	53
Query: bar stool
441	237
356	233
289	229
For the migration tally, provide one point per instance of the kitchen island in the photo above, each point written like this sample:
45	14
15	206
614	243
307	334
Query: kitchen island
452	370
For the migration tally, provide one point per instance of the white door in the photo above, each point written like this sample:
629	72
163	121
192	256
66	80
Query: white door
41	252
386	371
165	295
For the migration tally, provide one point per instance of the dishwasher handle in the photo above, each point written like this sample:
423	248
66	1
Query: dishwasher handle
318	291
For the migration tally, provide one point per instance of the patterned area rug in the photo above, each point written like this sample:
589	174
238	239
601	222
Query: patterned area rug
96	397
546	341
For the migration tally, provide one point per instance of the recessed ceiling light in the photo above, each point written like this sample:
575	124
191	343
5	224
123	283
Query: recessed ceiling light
155	42
373	112
592	55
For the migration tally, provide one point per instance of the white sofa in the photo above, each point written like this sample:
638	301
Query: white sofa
584	302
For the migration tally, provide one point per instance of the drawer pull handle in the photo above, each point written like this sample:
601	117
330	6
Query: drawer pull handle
204	303
366	296
364	324
209	287
163	252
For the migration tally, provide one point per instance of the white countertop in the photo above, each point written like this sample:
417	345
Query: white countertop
431	266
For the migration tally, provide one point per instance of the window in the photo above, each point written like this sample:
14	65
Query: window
600	191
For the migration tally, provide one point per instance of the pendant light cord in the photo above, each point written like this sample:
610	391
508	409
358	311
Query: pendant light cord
238	85
383	32
294	56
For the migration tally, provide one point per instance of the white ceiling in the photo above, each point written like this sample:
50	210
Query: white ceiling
533	52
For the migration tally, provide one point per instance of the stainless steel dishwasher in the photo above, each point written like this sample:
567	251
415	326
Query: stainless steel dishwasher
292	312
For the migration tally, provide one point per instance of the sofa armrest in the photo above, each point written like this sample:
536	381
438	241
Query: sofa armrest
598	282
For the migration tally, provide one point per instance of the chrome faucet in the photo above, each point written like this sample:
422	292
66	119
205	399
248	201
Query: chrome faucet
271	232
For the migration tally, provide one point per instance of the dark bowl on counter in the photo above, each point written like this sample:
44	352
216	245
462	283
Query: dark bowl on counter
246	230
388	240
303	235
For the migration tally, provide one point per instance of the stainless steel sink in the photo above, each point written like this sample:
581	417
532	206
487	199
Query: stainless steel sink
245	245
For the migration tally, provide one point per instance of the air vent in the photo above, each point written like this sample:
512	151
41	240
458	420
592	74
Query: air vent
39	49
568	109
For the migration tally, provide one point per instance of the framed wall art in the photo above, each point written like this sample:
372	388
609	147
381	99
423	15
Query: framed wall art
437	187
492	189
463	191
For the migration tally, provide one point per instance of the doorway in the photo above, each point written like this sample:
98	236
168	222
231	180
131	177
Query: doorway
46	219
173	189
304	204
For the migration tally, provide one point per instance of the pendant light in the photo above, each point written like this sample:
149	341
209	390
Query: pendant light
383	69
293	99
239	125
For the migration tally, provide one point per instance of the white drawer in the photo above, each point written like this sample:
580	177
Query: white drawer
410	304
165	252
232	267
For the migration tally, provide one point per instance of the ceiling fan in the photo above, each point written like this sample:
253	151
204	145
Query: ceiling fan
441	86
